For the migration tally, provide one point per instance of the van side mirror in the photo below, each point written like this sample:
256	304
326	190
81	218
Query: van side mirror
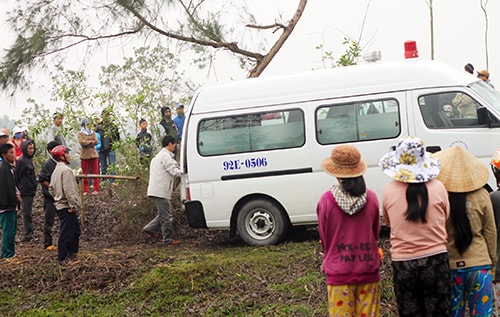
483	116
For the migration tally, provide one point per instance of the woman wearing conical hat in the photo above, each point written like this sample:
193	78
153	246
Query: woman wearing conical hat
472	235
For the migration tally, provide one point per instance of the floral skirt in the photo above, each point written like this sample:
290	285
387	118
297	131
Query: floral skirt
354	300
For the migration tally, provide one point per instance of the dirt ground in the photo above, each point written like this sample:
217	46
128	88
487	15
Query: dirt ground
110	245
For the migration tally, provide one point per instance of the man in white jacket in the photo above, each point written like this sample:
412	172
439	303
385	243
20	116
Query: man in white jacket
162	173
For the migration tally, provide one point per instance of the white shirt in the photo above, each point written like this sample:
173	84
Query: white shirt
162	173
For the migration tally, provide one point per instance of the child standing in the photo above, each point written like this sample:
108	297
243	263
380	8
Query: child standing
26	183
143	142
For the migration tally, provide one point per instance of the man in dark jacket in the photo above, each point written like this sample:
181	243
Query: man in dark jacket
26	183
48	201
167	123
9	199
108	130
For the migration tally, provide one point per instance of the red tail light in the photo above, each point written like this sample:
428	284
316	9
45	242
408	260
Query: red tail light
188	194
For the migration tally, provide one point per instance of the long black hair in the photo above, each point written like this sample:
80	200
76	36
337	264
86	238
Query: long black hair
460	221
354	186
417	198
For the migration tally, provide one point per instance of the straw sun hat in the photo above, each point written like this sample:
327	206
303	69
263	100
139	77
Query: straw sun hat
461	172
410	163
344	162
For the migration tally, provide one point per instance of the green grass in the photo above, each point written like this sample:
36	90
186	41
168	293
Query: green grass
282	280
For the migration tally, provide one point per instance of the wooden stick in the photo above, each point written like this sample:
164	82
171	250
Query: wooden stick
82	205
133	178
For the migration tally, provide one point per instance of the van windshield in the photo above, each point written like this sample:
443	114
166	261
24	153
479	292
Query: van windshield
489	94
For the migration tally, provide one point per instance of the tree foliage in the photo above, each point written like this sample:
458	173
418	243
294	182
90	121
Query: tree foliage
353	48
50	28
349	57
134	89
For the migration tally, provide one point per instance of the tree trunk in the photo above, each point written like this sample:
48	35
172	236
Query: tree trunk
262	63
432	28
483	7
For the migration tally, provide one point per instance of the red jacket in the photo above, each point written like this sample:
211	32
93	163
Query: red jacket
18	149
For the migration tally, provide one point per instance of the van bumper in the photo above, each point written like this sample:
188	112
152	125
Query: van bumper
195	214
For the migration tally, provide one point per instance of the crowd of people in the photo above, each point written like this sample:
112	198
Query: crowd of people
443	232
19	180
443	221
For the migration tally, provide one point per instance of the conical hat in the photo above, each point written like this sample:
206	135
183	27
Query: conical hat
461	172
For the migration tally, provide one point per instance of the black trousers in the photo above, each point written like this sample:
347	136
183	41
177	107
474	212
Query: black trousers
50	213
423	286
69	235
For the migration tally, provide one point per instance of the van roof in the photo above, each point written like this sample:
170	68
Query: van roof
329	83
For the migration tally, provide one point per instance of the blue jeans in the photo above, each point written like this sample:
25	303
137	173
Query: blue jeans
107	159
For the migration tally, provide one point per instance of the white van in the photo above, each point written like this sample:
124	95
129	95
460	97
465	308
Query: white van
252	149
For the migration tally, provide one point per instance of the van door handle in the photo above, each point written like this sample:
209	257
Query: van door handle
433	148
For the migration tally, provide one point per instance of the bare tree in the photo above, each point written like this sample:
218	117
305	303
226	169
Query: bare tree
483	4
50	28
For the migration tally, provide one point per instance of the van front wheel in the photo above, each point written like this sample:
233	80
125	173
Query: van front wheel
260	222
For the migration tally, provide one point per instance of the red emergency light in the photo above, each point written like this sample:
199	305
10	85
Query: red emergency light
411	49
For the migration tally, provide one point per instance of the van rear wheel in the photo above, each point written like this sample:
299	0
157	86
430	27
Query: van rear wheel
260	222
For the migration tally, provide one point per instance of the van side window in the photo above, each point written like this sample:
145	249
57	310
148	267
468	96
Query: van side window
371	120
251	132
448	110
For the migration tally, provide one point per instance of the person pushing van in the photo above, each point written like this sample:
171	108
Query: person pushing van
162	173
